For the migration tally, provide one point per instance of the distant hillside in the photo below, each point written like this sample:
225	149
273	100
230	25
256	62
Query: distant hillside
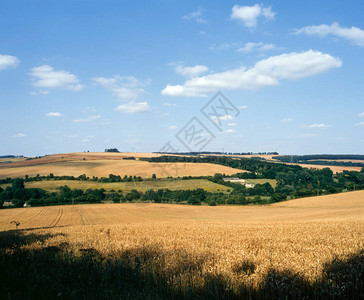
10	156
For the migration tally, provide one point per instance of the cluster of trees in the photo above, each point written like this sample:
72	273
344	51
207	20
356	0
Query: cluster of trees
19	195
112	150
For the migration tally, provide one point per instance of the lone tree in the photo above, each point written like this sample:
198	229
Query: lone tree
112	150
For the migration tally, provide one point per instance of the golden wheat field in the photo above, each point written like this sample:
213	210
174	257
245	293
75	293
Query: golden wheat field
101	165
201	247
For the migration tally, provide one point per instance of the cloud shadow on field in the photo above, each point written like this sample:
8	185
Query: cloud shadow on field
149	272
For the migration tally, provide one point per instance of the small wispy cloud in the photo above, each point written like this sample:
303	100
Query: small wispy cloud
246	48
88	119
195	16
133	107
226	117
317	125
287	120
223	117
191	71
19	135
361	114
39	92
228	131
53	114
169	104
261	47
172	127
231	124
124	87
8	61
243	106
87	139
360	124
308	135
353	34
88	109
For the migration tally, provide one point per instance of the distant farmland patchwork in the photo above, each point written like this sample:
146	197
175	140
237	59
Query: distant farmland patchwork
102	164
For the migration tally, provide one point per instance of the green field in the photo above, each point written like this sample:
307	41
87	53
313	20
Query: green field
272	182
142	186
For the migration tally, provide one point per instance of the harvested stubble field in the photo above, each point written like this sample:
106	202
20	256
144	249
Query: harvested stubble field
102	165
335	169
310	247
142	186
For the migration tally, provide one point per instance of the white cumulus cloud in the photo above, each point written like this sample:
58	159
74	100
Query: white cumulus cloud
248	15
133	107
353	34
361	114
266	72
8	61
44	76
54	114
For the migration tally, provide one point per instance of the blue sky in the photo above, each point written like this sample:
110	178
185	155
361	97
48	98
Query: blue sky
89	75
